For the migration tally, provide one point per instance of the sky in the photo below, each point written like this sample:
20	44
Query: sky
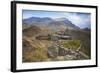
82	20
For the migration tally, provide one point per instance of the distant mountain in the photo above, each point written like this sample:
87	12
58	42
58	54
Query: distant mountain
67	22
86	29
36	20
51	23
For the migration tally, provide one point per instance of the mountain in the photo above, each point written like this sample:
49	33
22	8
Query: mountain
67	22
51	23
86	29
31	31
36	20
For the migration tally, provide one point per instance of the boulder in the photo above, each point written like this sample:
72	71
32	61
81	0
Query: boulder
70	57
53	51
63	51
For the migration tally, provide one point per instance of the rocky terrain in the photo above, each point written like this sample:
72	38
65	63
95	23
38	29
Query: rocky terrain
46	39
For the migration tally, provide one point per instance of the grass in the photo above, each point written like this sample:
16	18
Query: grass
85	38
36	50
38	55
73	44
33	51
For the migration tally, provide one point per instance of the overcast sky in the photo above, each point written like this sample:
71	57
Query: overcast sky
81	20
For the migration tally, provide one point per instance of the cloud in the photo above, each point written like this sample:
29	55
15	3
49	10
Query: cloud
82	20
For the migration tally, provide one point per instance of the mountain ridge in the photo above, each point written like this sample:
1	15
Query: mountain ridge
47	21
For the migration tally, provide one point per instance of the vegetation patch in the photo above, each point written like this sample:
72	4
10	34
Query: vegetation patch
72	44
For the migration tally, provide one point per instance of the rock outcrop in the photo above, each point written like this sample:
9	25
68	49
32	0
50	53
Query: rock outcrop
60	53
53	51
